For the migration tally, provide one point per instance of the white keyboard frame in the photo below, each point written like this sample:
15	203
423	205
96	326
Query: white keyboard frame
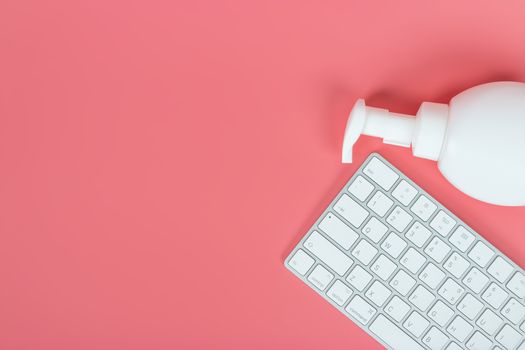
380	310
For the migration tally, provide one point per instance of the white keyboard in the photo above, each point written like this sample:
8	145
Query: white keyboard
408	271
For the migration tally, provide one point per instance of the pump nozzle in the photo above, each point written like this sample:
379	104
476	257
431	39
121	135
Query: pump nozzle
354	128
425	132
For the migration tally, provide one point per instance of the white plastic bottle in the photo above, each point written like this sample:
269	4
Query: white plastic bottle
478	139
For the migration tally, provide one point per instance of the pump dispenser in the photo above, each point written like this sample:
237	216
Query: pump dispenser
478	139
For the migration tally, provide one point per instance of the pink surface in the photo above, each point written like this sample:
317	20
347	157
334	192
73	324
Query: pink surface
161	158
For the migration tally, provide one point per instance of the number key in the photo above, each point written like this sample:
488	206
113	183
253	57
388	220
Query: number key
475	280
461	238
418	234
456	265
442	223
514	311
437	249
399	219
481	254
500	269
517	284
424	208
495	295
404	192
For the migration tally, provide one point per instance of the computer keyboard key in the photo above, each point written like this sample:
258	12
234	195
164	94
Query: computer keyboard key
399	219
360	309
481	254
442	223
459	328
301	262
500	269
383	267
454	346
397	308
418	234
377	293
435	339
412	260
508	337
475	280
402	282
440	313
432	276
392	335
350	210
517	284
320	277
339	293
456	265
437	249
479	342
462	239
423	208
364	252
451	291
374	229
470	306
416	324
328	253
404	192
495	295
361	188
380	203
421	298
489	321
359	278
393	245
337	230
380	173
514	311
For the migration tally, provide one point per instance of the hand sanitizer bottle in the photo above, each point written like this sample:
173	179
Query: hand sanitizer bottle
478	139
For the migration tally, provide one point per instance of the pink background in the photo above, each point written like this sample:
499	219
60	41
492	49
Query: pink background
159	159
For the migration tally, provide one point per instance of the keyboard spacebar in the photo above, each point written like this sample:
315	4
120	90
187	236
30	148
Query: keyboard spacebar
392	335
